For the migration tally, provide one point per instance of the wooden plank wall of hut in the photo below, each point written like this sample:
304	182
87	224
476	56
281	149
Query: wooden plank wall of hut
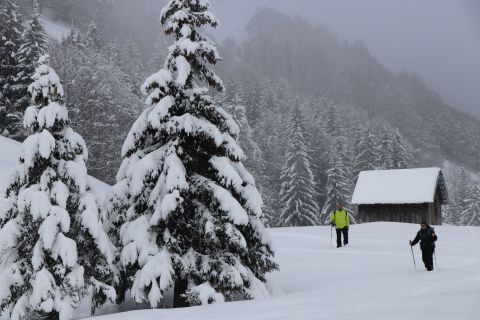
409	213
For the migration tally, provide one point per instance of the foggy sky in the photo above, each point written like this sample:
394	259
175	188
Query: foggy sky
438	39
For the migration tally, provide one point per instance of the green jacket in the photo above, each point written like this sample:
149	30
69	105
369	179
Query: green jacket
341	219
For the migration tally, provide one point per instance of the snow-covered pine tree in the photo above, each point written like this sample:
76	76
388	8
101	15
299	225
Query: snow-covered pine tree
401	157
233	101
34	45
93	41
185	212
366	152
257	100
74	39
10	40
113	50
159	52
297	193
271	141
385	151
100	102
470	216
338	179
331	118
234	104
131	63
460	196
320	145
57	248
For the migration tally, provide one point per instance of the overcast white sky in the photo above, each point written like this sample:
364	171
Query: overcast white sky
439	39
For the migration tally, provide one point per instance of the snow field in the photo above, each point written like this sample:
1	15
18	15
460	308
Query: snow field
372	278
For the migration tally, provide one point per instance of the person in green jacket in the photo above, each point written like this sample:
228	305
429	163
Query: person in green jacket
340	220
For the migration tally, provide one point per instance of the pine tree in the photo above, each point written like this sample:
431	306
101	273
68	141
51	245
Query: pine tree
401	156
386	151
10	40
460	196
297	193
233	101
131	63
159	53
319	141
338	180
271	141
34	45
331	118
114	52
470	216
93	41
57	247
100	100
74	39
366	152
185	212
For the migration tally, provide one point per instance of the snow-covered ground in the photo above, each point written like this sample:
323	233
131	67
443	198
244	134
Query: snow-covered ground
372	278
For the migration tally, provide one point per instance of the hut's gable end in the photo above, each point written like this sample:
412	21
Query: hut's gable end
400	186
407	195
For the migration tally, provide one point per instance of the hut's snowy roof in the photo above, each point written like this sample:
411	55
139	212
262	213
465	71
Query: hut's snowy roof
399	186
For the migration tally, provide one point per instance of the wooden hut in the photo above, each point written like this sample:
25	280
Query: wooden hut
403	195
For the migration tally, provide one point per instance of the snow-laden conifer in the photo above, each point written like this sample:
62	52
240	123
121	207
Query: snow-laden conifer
11	29
365	151
470	216
185	212
297	193
460	195
34	44
400	155
233	101
338	187
53	246
385	151
93	41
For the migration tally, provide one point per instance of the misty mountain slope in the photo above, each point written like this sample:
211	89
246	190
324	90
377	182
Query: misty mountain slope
350	102
317	64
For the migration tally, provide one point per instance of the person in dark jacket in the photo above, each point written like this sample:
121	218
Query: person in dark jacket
427	237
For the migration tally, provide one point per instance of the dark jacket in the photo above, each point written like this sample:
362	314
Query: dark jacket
426	237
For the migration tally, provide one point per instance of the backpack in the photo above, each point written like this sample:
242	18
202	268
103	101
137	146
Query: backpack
430	233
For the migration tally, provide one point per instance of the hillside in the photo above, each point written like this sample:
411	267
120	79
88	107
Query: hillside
317	64
373	278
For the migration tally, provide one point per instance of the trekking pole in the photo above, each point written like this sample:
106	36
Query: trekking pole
413	256
331	235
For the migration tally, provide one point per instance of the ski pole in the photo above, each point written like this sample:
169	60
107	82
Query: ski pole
435	256
331	235
413	256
